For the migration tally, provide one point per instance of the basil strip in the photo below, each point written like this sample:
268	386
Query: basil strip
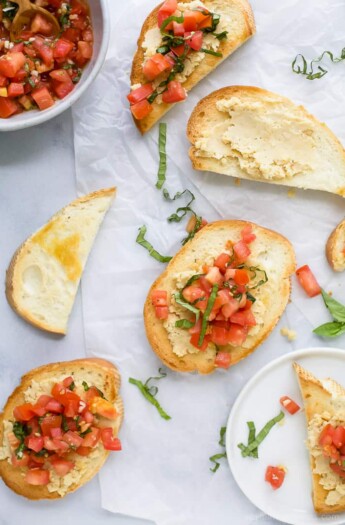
86	386
261	436
221	36
145	244
195	230
150	397
162	155
206	315
153	390
308	70
178	19
192	280
222	434
211	52
181	302
184	323
221	455
336	309
251	438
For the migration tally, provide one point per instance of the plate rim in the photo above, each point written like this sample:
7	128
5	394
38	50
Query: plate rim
291	356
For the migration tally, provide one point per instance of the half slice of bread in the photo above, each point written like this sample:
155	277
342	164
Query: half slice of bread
44	274
241	26
335	248
250	133
324	402
94	372
270	251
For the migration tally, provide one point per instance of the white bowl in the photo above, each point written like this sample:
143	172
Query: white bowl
101	30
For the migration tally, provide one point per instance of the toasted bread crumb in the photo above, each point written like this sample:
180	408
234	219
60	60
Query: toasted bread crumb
291	193
289	334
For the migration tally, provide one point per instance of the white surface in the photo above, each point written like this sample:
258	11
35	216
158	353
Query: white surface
163	472
285	444
100	23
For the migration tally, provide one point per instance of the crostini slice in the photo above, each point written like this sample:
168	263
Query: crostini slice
335	248
60	447
219	297
43	277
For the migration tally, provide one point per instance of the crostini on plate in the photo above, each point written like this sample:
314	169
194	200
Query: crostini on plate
219	297
43	277
58	426
324	403
250	133
179	44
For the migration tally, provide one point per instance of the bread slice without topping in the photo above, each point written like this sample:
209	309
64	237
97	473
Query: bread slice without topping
96	372
43	277
318	397
335	248
271	251
250	133
242	27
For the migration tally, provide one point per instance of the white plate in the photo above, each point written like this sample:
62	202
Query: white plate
285	445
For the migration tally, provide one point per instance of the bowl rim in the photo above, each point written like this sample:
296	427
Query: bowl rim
35	118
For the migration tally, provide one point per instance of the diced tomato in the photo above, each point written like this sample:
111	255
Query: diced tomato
62	89
222	261
339	437
162	312
289	405
84	451
247	234
56	432
91	393
7	107
241	251
175	93
109	441
85	49
241	276
23	412
140	93
79	7
18	47
54	406
103	407
49	422
37	477
159	298
205	23
205	285
167	9
230	308
223	360
61	466
62	48
35	443
155	65
190	21
180	50
11	63
194	340
237	334
194	40
326	436
337	469
275	476
87	35
243	318
43	400
44	50
178	29
41	25
23	462
141	109
72	34
219	335
3	81
214	276
196	329
308	281
73	439
43	98
60	75
193	293
91	439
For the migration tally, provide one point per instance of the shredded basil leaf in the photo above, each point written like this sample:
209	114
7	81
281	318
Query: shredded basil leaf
64	19
153	390
221	36
206	315
178	298
162	155
150	392
19	430
245	451
87	431
145	244
184	323
222	434
178	19
64	425
336	309
72	386
20	450
211	52
192	280
251	438
214	459
163	50
307	70
86	386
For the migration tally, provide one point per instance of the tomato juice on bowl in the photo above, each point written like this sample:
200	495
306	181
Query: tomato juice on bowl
42	74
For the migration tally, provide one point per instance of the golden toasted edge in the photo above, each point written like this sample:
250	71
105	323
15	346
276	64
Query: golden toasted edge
331	247
157	335
11	282
210	62
11	475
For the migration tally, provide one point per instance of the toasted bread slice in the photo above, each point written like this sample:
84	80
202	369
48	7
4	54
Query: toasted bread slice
318	398
270	250
250	133
43	277
241	27
335	248
96	372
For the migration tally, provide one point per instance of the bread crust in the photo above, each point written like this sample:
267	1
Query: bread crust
203	362
333	253
209	63
12	281
12	476
316	401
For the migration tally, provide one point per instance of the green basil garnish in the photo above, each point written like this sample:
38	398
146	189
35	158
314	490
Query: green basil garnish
162	140
206	315
184	323
333	329
150	392
86	386
178	19
215	459
145	244
251	438
307	70
246	451
221	36
337	310
179	300
211	52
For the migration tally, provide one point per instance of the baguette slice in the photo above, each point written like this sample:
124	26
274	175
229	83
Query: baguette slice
335	248
94	371
43	277
318	398
242	28
270	250
250	133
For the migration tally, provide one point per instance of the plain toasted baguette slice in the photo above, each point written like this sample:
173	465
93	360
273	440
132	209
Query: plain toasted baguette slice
43	277
317	398
268	139
270	249
335	248
96	372
242	28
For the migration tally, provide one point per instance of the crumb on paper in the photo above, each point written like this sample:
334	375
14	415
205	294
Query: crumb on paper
291	193
283	467
330	293
237	182
289	334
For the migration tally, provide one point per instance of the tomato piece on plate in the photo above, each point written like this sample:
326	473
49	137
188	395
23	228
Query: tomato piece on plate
61	466
37	477
223	360
159	298
41	25
24	412
326	436
275	476
194	40
109	441
308	281
175	93
54	406
230	308
141	109
162	312
140	93
241	251
289	405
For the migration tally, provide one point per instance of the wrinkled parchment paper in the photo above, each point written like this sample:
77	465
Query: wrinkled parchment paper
163	472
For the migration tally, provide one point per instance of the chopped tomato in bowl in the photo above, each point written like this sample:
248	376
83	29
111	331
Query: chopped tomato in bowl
42	74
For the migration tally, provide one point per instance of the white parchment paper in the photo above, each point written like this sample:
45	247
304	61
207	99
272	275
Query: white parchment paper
163	472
